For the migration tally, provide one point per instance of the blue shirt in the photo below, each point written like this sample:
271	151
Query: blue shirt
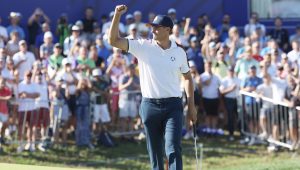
18	29
251	82
104	53
195	55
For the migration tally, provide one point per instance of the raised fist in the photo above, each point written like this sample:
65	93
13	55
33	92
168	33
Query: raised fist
121	9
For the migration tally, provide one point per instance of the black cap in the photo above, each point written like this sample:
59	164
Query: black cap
162	20
253	67
57	45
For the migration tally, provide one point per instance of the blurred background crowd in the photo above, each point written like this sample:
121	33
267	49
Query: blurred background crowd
69	83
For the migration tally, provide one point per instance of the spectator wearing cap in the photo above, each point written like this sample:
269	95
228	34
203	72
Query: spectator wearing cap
88	20
70	81
280	34
72	40
253	24
172	14
42	106
23	59
15	18
60	111
100	87
230	87
12	45
296	35
194	54
34	25
27	92
210	93
46	49
249	84
55	60
243	65
224	27
103	51
3	35
96	32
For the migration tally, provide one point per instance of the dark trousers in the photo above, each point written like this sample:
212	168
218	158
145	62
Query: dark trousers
231	108
162	119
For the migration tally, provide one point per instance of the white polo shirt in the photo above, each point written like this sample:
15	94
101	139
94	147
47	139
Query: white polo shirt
210	91
25	66
160	69
27	104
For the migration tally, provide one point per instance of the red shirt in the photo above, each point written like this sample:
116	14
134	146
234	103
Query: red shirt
4	92
258	58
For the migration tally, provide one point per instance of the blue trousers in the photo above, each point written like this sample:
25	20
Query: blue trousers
83	136
162	119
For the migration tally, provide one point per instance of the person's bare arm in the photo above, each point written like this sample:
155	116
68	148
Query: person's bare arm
189	89
114	38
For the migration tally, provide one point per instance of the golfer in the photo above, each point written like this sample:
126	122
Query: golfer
160	62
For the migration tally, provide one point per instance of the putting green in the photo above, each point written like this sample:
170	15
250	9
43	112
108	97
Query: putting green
4	166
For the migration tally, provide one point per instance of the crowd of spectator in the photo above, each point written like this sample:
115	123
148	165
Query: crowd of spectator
72	79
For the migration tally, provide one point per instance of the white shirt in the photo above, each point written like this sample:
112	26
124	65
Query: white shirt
27	65
68	77
278	87
266	91
210	91
293	55
228	82
43	100
27	104
106	26
160	69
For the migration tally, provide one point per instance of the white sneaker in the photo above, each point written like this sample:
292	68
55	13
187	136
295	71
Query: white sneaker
272	148
41	147
252	141
20	149
32	147
27	146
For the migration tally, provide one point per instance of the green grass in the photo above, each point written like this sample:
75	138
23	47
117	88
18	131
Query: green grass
218	155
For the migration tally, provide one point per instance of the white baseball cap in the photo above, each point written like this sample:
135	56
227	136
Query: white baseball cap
48	34
65	61
97	72
172	11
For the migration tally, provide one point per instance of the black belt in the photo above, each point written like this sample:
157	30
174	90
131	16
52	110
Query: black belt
161	99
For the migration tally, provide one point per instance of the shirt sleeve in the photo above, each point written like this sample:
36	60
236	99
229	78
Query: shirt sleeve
184	67
136	47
